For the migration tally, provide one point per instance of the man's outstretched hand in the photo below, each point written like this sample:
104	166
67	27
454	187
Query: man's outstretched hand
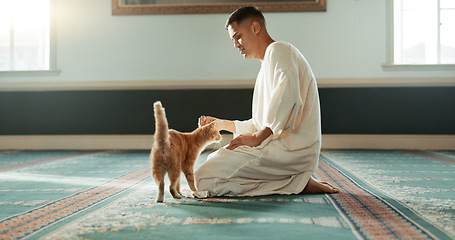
220	124
204	120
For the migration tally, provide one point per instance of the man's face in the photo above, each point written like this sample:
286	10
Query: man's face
243	37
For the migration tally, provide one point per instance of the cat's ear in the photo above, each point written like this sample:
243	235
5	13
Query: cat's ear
213	124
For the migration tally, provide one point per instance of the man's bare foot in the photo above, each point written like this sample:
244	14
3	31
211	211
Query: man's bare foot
314	186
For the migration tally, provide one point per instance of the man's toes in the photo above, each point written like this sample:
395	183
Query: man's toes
330	188
328	184
335	190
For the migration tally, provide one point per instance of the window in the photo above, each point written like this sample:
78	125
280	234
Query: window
424	32
25	35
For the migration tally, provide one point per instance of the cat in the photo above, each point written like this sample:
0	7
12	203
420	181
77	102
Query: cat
174	152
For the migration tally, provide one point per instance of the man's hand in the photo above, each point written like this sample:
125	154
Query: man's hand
252	140
220	124
204	120
245	139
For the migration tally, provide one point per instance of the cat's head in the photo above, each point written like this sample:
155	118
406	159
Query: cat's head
212	133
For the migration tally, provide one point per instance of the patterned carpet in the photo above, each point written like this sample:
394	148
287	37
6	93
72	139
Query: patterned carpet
110	195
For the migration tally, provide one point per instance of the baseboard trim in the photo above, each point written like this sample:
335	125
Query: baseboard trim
386	141
83	142
138	142
216	84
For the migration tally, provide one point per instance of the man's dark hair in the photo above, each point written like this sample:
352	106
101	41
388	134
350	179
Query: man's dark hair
245	13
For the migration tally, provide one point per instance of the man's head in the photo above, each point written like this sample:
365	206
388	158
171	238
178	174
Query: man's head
246	13
246	27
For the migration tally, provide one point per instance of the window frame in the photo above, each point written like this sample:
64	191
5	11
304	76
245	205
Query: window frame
53	70
390	64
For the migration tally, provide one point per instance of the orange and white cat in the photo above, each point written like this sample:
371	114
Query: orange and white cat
174	152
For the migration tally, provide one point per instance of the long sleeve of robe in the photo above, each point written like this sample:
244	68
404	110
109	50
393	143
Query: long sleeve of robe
285	100
244	127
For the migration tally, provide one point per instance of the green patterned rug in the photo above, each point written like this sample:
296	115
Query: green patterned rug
110	195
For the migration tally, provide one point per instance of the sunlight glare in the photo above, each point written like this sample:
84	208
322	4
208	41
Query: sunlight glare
24	35
56	179
4	17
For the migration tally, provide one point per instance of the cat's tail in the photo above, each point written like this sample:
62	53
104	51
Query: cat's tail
161	126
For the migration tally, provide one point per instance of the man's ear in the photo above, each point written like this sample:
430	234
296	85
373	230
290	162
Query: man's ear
256	27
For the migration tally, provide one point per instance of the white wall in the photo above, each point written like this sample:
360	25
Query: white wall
347	41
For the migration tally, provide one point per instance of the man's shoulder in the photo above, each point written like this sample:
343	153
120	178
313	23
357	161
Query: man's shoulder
278	50
282	51
280	46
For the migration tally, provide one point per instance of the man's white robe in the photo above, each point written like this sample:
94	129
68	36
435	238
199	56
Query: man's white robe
286	100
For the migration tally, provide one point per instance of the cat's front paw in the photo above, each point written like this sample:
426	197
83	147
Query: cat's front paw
200	194
187	193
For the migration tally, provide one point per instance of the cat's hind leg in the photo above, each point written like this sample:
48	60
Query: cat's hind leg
178	185
158	175
160	197
174	177
189	175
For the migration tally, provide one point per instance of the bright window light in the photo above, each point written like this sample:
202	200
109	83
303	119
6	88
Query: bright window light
424	31
24	35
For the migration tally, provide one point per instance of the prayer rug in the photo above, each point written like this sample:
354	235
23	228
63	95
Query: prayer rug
110	195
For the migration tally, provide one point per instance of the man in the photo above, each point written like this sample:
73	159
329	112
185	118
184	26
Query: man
277	150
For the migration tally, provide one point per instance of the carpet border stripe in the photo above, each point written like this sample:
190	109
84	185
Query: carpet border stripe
432	231
30	222
429	155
